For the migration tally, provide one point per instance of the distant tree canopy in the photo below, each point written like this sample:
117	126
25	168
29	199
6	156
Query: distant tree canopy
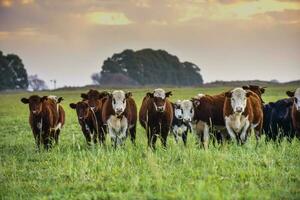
13	75
148	67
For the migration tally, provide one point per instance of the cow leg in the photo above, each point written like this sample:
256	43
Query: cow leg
87	134
101	135
56	136
244	133
164	134
153	137
132	132
205	136
229	129
46	139
184	138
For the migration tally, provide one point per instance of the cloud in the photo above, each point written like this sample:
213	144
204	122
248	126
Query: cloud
108	18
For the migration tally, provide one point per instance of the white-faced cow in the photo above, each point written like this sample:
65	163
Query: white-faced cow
46	119
120	114
242	112
183	113
295	114
156	115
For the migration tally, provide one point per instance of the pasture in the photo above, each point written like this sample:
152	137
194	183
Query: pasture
72	170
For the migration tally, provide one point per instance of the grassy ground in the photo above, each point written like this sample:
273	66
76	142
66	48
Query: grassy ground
74	171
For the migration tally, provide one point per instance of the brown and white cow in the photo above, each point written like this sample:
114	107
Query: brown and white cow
156	115
95	101
295	114
87	120
242	112
46	118
120	114
208	114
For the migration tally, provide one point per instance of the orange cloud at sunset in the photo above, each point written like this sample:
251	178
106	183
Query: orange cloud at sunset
215	34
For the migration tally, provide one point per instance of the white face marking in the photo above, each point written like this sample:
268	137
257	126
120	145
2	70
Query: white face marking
118	101
177	110
188	110
159	93
55	98
297	99
238	100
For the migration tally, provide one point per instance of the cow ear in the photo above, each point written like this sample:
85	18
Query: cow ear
168	94
60	99
44	98
248	94
246	87
128	94
263	89
149	94
73	105
103	94
290	93
228	94
84	96
25	100
196	102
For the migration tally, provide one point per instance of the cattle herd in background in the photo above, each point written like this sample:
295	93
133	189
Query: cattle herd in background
229	116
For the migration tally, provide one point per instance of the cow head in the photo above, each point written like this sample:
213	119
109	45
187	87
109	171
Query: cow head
197	100
93	97
177	110
188	110
238	99
118	99
35	103
159	99
296	96
82	109
256	89
56	99
281	108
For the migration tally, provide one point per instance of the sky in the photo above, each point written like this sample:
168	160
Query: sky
228	39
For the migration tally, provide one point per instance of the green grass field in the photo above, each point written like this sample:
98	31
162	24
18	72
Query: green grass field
72	170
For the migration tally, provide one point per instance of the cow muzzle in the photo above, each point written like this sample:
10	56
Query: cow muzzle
238	109
119	111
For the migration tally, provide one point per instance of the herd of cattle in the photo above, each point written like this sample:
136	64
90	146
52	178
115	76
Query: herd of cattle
231	115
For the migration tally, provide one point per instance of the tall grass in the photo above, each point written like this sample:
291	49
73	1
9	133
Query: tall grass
72	170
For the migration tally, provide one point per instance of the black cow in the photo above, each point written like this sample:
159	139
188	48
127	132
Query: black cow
277	120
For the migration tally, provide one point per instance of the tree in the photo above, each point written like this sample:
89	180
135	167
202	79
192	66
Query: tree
36	84
13	75
149	67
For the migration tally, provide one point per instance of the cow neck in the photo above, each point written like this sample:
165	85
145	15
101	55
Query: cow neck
95	119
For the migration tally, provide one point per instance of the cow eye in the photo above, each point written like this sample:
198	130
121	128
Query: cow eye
114	101
124	101
232	99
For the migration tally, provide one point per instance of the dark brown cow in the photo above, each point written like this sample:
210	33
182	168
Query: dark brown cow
95	101
295	114
46	118
242	112
120	114
156	115
208	113
87	120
